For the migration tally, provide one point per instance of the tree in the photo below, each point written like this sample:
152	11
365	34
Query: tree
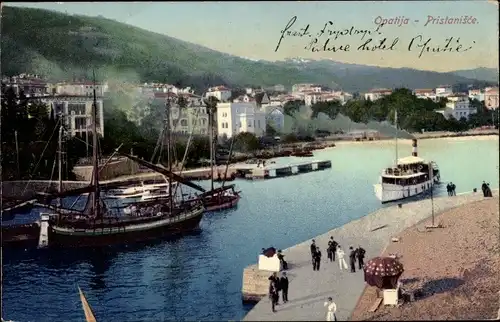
270	130
246	142
330	109
291	107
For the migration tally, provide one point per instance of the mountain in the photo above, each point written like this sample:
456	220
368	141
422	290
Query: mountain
482	73
62	46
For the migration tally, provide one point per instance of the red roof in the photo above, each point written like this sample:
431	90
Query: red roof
164	95
424	91
381	90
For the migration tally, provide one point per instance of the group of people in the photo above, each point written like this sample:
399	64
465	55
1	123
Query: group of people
335	250
486	189
450	187
276	285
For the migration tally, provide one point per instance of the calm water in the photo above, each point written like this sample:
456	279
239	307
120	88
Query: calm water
198	277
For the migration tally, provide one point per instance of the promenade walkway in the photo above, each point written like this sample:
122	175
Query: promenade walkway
309	289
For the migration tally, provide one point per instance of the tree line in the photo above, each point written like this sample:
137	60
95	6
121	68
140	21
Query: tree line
414	114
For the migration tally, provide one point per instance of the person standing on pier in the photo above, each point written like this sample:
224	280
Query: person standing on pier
331	309
316	260
284	287
329	250
361	257
333	247
313	250
273	294
340	256
352	259
484	187
453	187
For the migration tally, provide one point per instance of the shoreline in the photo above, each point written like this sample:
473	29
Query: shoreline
308	292
472	137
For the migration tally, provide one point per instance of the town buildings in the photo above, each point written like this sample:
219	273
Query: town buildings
73	101
425	94
222	93
491	97
375	94
443	91
458	106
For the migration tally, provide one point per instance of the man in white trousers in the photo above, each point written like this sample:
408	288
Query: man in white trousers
332	308
340	256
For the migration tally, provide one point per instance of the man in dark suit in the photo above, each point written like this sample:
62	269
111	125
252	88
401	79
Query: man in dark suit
313	250
316	260
284	287
360	252
352	259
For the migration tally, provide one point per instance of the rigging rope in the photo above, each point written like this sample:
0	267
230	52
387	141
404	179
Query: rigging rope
51	174
38	163
187	149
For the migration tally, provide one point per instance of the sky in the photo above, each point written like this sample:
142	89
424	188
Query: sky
253	29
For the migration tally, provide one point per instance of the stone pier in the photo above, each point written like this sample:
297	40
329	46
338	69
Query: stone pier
309	289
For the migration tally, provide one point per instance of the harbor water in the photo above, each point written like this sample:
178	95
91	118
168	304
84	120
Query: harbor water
199	276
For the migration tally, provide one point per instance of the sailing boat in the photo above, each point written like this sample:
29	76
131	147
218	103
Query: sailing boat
408	177
98	226
223	197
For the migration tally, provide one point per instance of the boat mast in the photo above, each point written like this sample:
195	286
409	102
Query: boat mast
59	188
396	123
95	195
211	140
169	138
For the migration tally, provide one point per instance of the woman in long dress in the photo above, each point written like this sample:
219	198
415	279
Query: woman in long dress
332	308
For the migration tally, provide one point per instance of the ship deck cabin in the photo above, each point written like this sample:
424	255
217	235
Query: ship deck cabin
408	171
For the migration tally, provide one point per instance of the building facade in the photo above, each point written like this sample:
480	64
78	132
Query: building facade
425	94
459	107
476	94
77	113
375	94
491	97
235	118
222	93
443	91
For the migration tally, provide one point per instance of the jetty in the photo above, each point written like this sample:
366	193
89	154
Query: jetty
309	289
252	171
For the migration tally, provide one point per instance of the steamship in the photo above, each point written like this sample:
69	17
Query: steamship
410	176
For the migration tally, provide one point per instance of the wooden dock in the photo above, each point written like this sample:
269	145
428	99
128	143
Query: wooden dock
251	171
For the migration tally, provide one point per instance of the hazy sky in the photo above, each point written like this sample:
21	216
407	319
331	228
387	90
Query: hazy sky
252	29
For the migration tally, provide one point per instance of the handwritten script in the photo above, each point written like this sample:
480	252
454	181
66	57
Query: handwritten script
331	38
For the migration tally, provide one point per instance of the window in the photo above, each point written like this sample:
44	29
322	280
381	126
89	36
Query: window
258	124
184	122
250	124
80	123
77	108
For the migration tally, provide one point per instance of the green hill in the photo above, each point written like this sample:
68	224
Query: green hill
64	46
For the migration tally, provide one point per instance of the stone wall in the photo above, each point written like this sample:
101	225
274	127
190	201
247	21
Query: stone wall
112	170
27	189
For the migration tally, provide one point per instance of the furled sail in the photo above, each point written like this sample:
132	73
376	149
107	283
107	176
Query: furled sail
165	172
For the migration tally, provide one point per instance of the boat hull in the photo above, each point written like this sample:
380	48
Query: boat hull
21	236
391	192
232	202
64	238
